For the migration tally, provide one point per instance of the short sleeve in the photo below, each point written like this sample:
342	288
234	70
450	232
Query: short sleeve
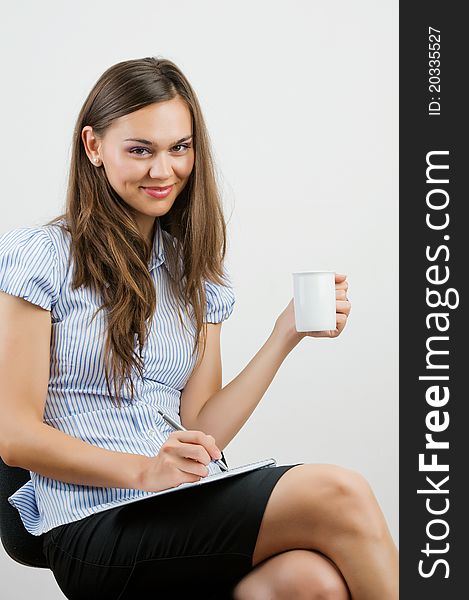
28	266
220	301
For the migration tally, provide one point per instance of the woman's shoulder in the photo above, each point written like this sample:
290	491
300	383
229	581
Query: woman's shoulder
220	299
28	237
29	263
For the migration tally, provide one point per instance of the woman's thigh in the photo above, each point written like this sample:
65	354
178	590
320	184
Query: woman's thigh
311	505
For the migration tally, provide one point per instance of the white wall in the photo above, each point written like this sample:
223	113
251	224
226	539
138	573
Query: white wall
301	102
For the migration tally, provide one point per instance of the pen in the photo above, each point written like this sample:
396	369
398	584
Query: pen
181	428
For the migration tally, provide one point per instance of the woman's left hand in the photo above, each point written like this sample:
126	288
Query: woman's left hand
285	323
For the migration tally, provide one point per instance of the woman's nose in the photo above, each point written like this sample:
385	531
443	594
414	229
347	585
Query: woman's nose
161	167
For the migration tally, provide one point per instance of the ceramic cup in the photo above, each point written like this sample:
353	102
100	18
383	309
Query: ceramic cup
314	300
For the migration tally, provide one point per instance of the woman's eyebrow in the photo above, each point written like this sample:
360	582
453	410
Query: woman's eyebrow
150	143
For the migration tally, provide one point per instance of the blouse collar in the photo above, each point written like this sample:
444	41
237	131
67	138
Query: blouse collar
157	254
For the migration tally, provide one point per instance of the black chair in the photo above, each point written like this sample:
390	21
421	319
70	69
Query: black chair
20	545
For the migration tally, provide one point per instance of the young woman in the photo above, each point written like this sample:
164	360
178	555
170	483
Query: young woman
115	308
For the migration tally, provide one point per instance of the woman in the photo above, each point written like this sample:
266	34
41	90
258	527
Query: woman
141	309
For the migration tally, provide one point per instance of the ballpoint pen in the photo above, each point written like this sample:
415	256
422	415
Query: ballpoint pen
176	425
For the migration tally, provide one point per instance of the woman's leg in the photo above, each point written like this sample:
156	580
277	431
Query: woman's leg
333	510
295	574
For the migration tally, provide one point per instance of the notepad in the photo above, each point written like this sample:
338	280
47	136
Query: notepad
261	464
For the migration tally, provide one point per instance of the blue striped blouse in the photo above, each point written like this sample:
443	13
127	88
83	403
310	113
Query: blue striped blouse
33	266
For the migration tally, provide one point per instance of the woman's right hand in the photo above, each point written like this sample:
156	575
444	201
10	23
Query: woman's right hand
181	459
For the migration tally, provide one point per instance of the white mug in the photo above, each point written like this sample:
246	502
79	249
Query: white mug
314	300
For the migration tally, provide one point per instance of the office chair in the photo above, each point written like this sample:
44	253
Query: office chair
20	545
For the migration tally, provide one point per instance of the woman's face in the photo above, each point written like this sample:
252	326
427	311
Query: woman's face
149	148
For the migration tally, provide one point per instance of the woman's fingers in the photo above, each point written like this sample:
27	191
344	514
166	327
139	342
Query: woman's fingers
343	306
341	319
341	290
341	322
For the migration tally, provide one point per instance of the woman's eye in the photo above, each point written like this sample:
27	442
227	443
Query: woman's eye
134	149
186	146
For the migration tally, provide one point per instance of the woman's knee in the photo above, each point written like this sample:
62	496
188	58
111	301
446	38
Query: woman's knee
346	482
309	575
299	574
351	498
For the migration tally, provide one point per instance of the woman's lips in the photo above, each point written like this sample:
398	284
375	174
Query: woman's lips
158	192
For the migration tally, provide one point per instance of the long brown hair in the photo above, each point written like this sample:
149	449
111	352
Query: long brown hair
110	254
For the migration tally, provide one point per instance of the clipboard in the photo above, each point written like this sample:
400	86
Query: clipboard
261	464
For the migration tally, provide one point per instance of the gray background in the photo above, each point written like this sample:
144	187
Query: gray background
301	102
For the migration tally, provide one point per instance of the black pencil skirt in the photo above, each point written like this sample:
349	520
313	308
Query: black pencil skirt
194	543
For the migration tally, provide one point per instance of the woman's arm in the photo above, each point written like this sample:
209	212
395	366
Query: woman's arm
40	448
225	413
227	410
25	440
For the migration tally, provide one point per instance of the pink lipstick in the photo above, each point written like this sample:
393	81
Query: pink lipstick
156	192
